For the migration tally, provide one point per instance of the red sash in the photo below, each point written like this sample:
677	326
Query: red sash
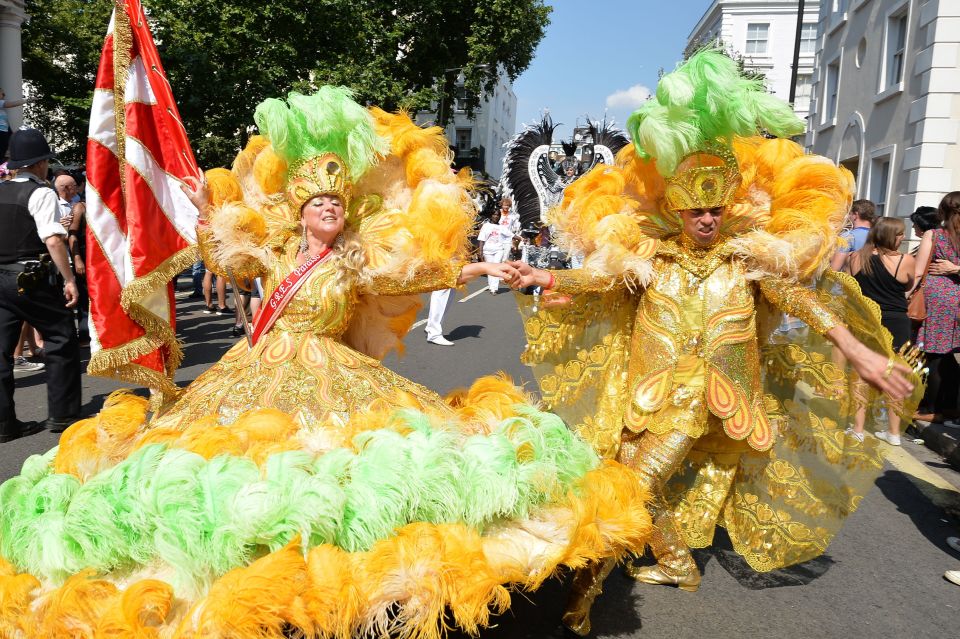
271	310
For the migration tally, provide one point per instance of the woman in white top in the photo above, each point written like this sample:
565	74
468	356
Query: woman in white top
494	243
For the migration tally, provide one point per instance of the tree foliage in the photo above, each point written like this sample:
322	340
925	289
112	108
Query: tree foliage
224	56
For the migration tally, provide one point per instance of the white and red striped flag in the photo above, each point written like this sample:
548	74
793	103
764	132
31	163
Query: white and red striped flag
141	228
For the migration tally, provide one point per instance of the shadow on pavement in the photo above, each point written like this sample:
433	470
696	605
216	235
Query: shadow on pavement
925	508
465	331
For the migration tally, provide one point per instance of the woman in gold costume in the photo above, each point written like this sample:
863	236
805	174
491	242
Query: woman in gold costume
298	487
661	351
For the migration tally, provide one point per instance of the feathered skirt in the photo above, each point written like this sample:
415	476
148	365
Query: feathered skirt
401	514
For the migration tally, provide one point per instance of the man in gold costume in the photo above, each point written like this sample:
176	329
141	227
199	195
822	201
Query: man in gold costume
661	353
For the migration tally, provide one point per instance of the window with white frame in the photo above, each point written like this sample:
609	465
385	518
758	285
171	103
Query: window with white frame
464	140
757	34
801	101
896	45
879	182
808	38
831	89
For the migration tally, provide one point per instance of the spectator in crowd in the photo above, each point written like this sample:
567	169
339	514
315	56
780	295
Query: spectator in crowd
221	288
953	576
73	218
861	217
493	244
885	275
24	360
508	217
5	121
924	219
30	291
939	337
197	271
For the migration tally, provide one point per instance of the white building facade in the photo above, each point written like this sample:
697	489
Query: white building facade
12	15
887	98
764	33
479	142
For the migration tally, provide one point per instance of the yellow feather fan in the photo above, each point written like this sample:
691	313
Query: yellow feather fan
784	219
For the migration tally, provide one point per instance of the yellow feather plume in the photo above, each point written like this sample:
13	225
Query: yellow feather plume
137	613
262	600
223	187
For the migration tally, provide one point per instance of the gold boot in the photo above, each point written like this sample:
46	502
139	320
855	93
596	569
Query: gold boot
658	576
587	584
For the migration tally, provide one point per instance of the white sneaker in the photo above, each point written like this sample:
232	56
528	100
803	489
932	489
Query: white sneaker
954	542
893	440
953	576
23	365
440	341
852	433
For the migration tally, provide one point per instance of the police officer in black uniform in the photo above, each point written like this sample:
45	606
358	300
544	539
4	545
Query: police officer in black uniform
36	286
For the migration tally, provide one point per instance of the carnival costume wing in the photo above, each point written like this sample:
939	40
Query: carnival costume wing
607	142
783	225
527	175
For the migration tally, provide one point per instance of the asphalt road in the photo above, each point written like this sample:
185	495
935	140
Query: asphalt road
882	576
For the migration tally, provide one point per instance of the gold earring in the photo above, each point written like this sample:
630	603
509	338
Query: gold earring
303	241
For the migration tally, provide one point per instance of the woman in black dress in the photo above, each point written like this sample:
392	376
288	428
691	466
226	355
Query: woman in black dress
885	276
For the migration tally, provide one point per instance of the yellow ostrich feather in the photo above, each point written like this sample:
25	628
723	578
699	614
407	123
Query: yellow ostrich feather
270	171
334	597
210	439
490	398
266	425
260	600
137	612
405	136
75	608
223	187
90	445
16	595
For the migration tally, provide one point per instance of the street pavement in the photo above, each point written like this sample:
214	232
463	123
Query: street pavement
881	577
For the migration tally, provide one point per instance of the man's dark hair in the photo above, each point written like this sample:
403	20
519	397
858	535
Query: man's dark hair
925	218
865	210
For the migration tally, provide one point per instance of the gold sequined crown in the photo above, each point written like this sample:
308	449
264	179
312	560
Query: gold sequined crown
701	183
321	175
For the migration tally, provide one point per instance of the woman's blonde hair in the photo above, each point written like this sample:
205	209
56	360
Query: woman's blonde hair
884	235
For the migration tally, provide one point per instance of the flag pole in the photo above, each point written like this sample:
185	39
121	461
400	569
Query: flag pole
243	311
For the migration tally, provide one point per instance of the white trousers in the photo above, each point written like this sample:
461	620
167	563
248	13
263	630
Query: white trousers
493	283
438	307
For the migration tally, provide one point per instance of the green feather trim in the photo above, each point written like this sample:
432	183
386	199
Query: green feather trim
328	121
203	517
704	100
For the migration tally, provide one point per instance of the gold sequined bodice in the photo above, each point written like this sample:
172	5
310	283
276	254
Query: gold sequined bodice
320	306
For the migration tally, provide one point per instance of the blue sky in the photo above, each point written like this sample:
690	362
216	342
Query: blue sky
603	56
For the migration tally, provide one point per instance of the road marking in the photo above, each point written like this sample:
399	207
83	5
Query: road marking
416	324
934	487
472	295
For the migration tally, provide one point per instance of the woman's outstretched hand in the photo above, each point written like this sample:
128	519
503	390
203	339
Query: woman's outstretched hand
503	270
196	191
529	276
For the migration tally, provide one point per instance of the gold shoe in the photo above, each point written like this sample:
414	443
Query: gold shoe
657	576
587	585
576	617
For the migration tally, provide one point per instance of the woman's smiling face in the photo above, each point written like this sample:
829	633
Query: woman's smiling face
324	217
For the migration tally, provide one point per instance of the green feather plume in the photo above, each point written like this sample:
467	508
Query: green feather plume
704	100
328	121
